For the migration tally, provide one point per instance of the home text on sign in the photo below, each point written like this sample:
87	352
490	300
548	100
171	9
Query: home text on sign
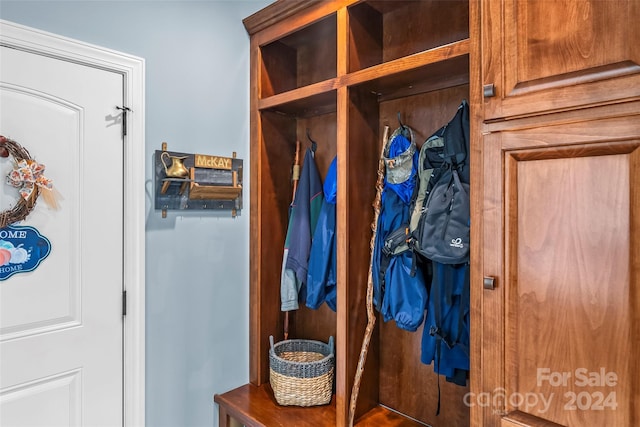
8	233
212	162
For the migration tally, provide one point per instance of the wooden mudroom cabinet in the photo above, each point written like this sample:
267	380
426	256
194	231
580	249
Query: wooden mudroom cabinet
554	90
555	297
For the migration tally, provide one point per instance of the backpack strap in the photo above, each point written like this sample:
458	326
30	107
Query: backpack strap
465	301
456	140
426	175
436	330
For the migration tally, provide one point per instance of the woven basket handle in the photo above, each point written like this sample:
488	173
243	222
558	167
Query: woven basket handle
331	345
271	342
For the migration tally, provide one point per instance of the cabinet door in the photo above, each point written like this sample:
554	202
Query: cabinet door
561	225
544	56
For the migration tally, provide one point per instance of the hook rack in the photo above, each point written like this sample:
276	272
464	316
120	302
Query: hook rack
204	182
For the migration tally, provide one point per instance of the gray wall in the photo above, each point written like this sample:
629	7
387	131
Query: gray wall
197	280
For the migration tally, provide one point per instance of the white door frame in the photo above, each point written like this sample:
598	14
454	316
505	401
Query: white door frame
132	69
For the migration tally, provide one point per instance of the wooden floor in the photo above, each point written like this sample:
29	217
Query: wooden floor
256	407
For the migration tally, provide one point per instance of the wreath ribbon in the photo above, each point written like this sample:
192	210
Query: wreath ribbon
26	175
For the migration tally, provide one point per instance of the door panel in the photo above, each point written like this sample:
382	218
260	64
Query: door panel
559	55
58	399
560	326
61	324
60	299
568	318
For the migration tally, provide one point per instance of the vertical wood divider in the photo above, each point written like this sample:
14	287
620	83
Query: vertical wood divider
255	150
492	306
343	382
343	379
476	196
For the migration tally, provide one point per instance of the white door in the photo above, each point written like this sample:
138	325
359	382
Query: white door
61	325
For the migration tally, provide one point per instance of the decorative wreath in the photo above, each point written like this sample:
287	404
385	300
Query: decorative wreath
28	176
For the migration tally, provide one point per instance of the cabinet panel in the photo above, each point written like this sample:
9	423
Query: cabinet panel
568	321
568	285
551	56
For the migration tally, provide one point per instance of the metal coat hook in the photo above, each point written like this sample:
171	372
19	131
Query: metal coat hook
314	145
405	131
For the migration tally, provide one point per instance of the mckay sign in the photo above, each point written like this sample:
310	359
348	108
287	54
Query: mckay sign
212	162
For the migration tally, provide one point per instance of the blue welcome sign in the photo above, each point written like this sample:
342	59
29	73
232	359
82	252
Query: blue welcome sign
22	248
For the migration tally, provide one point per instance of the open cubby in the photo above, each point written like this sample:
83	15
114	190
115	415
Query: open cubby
304	57
341	71
394	377
400	368
382	31
279	135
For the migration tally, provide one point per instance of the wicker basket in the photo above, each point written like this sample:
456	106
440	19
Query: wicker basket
301	372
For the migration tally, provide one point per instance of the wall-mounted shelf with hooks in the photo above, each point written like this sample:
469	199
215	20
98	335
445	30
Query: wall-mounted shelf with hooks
187	181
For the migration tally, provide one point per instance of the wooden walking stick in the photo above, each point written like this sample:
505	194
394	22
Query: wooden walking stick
295	178
371	316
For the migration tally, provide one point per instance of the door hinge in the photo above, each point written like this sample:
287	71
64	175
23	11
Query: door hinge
124	303
125	111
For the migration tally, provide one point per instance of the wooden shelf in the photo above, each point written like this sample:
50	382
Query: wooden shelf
452	72
255	406
303	101
438	55
437	68
200	191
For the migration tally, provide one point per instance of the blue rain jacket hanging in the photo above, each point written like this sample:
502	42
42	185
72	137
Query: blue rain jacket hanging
321	277
302	223
445	339
399	289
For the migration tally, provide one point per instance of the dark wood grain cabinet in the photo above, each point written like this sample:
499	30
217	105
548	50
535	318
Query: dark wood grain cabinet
543	57
554	90
556	214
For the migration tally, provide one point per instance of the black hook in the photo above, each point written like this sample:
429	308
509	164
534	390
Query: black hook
404	129
314	146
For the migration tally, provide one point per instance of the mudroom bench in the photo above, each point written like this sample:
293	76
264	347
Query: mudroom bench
255	406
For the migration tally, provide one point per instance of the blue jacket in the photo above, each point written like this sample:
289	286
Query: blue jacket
302	223
398	293
449	300
321	277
